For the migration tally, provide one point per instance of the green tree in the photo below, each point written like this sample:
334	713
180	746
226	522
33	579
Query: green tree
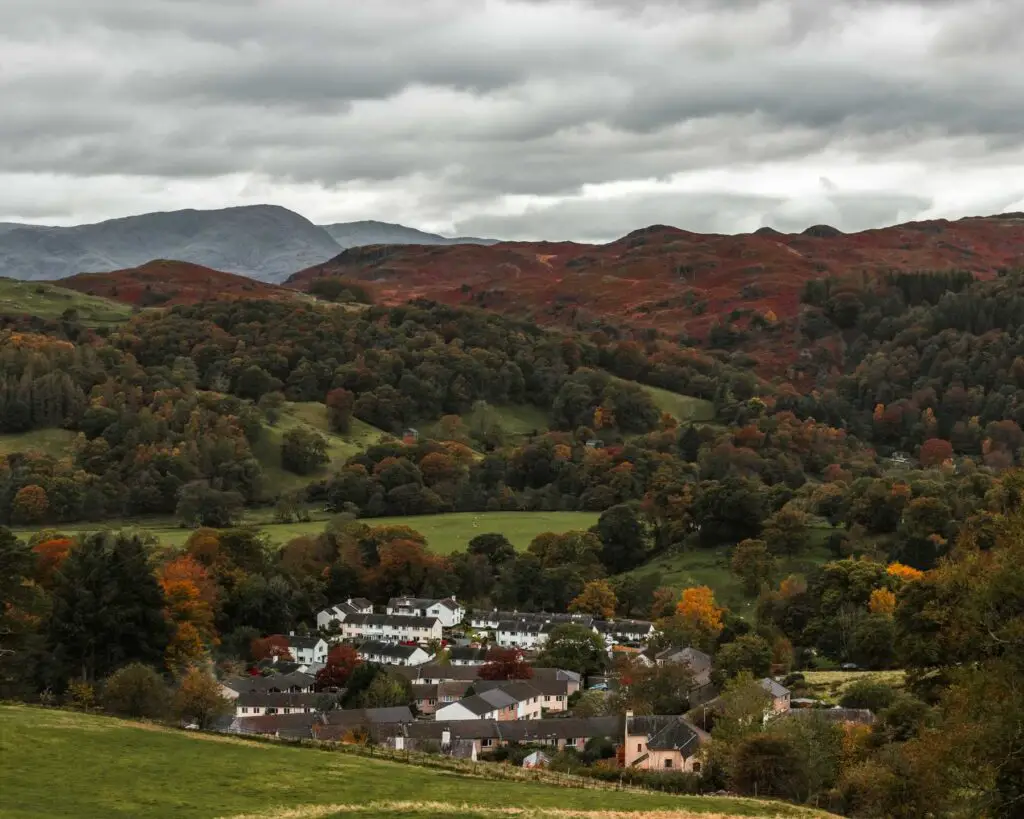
272	405
22	603
753	564
107	610
387	689
199	504
495	547
303	451
625	538
748	652
785	532
574	648
868	693
137	691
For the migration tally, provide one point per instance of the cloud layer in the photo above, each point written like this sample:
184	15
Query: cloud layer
531	119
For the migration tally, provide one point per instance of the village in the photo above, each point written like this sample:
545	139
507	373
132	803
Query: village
450	657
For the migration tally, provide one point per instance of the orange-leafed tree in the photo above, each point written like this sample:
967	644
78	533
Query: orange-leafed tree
190	598
882	602
342	660
698	609
597	598
276	645
904	572
506	664
50	555
935	451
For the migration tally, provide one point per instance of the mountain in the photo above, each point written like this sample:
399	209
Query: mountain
261	241
681	283
165	282
359	234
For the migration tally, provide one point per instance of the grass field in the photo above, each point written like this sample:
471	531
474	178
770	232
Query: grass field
311	415
710	567
682	407
53	442
49	301
829	686
445	533
58	763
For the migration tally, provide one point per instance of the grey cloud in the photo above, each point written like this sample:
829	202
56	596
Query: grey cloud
465	103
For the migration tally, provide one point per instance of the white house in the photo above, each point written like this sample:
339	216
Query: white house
625	632
334	616
308	650
390	628
375	651
449	611
258	704
512	701
525	634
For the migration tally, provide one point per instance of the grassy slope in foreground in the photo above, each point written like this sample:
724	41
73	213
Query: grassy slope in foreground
49	302
65	764
445	533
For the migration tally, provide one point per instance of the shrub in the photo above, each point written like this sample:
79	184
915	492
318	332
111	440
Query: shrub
135	691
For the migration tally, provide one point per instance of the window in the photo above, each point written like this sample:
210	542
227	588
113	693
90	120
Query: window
570	741
668	763
487	743
639	747
696	767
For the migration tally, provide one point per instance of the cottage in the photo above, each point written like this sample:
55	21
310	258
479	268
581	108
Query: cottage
376	651
447	610
662	743
295	683
625	632
265	703
553	693
286	726
391	628
467	655
499	700
779	693
309	651
699	662
331	618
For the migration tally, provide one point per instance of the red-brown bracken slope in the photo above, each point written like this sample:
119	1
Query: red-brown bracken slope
668	278
164	282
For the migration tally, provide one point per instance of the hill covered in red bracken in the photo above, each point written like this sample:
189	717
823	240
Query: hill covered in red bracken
670	279
165	282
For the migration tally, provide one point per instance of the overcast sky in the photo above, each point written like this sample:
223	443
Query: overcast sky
580	119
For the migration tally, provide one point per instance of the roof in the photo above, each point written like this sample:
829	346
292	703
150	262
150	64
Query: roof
624	626
358	716
468	653
533	730
362	602
774	688
695	658
388	649
423	691
454	688
296	679
292	726
390	620
665	733
307	642
555	674
434	671
267	699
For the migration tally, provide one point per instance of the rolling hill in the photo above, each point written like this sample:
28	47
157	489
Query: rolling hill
112	768
50	301
670	279
358	234
263	241
165	282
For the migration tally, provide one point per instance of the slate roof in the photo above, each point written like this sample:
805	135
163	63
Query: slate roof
467	654
357	716
774	688
394	650
291	726
309	642
423	691
283	682
665	733
390	620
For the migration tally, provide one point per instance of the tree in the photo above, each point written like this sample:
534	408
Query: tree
50	556
198	699
506	664
199	504
573	647
697	609
272	405
30	505
625	538
266	648
867	693
340	403
386	691
746	653
659	689
597	599
303	451
136	691
882	602
495	547
741	708
785	532
935	452
753	564
765	765
342	660
107	610
591	704
21	604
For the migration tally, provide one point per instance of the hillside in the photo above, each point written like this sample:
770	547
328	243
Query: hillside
165	282
671	279
369	232
49	301
111	768
263	241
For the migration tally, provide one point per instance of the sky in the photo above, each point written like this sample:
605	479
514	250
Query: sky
533	119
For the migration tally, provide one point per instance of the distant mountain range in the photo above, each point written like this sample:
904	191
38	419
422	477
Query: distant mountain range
264	242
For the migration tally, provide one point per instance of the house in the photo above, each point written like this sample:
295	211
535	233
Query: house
265	703
378	722
778	693
390	628
538	759
376	651
662	743
554	693
496	699
295	683
448	611
331	618
699	662
286	726
308	650
424	696
490	620
625	632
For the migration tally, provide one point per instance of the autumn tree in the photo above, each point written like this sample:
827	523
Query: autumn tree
199	700
190	598
506	664
785	532
657	689
882	602
340	403
597	599
30	505
935	452
698	610
50	556
342	660
753	564
266	648
135	691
